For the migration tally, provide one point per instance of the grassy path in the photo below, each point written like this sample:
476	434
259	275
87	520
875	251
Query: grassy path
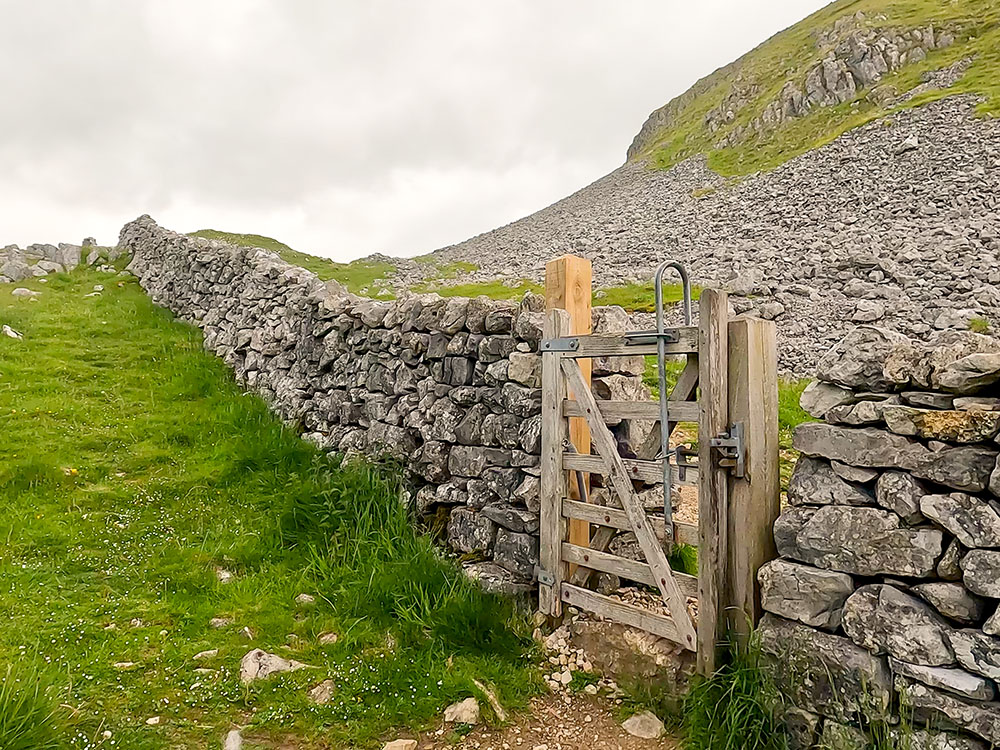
132	471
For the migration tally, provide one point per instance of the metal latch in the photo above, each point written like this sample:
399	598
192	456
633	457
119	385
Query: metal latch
637	338
565	344
732	449
544	577
683	452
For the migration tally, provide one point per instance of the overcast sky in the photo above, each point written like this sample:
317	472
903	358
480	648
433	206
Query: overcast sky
340	127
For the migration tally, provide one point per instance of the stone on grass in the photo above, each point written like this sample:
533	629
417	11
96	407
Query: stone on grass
258	664
953	601
799	592
977	652
883	619
25	293
400	745
645	725
981	572
322	693
233	740
327	639
955	681
824	673
974	521
463	712
218	623
305	600
209	654
11	333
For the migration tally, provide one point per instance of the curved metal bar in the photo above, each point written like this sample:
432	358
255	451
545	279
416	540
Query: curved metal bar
661	362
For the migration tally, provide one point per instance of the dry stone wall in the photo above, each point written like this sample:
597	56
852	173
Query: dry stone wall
884	602
449	386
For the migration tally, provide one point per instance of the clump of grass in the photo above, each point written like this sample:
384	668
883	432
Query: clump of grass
640	297
734	709
684	559
979	325
29	719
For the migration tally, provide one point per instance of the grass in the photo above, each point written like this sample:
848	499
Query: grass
640	297
979	325
359	276
791	53
29	717
492	289
734	708
135	468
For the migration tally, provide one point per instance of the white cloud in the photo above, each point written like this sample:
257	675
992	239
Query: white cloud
342	128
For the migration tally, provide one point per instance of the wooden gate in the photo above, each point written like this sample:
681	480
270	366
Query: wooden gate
728	387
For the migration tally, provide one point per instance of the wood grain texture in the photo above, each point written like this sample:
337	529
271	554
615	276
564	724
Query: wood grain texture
713	311
624	613
754	499
605	444
553	475
605	517
613	411
601	345
623	567
568	282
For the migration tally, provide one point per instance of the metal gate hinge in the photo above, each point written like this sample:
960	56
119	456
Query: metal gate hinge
732	449
565	344
544	577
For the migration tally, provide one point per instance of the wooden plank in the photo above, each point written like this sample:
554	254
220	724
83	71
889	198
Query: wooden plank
684	533
645	471
568	282
713	311
753	499
626	614
623	567
605	345
553	475
605	443
686	411
685	390
599	540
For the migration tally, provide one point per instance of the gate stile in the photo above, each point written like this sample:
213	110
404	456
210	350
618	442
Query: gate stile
722	448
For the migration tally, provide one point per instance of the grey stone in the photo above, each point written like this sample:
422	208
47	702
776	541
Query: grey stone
818	398
516	552
981	572
952	601
974	521
970	374
951	426
977	403
258	665
644	725
838	736
814	482
469	531
928	399
955	681
809	595
929	704
866	411
922	739
949	567
865	447
513	518
977	652
853	473
883	619
860	541
992	625
463	712
857	360
801	728
900	493
824	673
968	468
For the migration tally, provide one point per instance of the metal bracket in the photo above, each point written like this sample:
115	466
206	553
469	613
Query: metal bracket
637	338
565	344
732	449
683	452
544	577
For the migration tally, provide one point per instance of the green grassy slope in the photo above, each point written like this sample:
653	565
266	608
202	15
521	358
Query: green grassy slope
791	53
133	469
358	276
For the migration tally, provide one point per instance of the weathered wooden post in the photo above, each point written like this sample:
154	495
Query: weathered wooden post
713	494
568	282
754	497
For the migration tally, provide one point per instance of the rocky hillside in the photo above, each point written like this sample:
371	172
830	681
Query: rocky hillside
881	197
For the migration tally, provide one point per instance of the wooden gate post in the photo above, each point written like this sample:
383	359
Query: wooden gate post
713	495
568	287
754	498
